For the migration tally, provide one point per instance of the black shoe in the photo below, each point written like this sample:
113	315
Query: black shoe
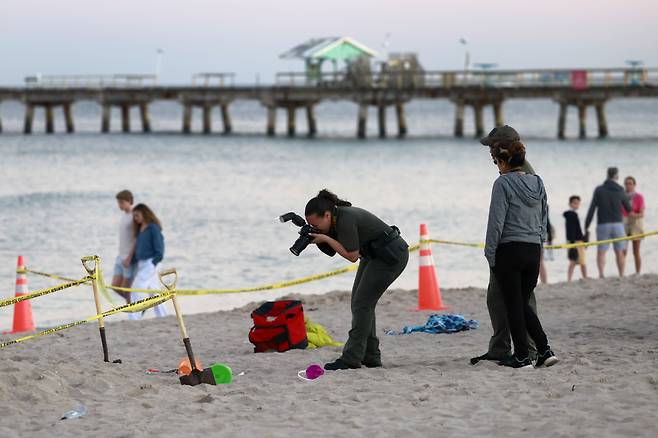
376	363
485	356
546	359
338	364
513	362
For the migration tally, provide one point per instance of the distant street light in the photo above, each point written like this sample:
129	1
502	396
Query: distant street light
467	56
635	63
158	64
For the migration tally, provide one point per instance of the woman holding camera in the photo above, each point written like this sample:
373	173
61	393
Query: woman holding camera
516	229
355	233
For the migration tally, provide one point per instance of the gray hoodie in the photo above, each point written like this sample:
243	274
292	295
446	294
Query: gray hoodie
518	212
609	199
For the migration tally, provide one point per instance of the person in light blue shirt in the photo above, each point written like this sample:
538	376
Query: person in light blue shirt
149	252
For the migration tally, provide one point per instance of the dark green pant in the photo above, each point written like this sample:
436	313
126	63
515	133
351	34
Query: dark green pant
500	344
372	280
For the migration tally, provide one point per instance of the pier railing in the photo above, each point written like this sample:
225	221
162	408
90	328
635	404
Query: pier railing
575	78
213	80
91	81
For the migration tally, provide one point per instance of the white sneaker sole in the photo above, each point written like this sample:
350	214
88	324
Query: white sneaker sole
551	361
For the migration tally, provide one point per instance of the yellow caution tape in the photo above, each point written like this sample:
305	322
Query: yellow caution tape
45	274
141	304
350	268
40	293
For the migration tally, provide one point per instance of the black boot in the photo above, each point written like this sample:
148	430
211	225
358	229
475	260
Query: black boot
372	363
338	364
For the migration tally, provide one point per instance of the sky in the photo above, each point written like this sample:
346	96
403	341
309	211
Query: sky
246	37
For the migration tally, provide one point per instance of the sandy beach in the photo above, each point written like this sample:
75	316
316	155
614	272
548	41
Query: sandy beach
604	332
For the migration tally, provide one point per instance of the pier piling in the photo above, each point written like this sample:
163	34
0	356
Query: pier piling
498	114
310	118
479	121
291	120
125	117
381	113
402	120
68	118
362	122
562	121
600	117
582	120
50	119
146	119
105	118
187	118
459	119
271	121
207	121
29	118
226	118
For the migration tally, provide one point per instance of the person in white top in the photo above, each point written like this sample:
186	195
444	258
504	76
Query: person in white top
124	268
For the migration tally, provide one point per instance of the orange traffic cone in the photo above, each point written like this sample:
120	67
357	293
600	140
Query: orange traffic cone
23	310
429	293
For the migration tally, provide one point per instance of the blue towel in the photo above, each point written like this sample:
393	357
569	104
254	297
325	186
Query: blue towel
440	324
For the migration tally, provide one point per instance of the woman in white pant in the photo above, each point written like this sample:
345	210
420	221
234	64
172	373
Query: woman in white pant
149	251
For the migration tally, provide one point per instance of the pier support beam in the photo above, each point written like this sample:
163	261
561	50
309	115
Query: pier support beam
600	117
459	119
562	121
291	120
50	119
498	113
146	119
226	118
187	118
68	118
362	121
29	118
582	120
402	120
271	121
310	118
125	117
207	121
105	118
381	116
479	121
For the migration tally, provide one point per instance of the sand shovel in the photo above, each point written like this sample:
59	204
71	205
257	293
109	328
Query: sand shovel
93	272
196	376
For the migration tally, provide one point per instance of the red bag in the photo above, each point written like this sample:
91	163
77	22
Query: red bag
279	326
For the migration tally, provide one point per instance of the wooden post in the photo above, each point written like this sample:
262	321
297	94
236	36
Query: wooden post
226	118
562	121
600	117
68	118
479	121
29	118
50	119
105	118
310	118
271	121
402	120
381	116
459	119
291	120
582	120
362	121
0	125
125	117
498	113
207	121
146	120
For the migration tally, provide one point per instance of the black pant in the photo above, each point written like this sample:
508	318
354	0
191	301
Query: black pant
516	270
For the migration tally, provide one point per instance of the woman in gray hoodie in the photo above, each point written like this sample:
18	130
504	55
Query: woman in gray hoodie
515	233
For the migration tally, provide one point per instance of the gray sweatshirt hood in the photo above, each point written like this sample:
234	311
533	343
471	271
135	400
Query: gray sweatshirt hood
527	187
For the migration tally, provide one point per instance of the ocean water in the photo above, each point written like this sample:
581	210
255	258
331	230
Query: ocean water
219	196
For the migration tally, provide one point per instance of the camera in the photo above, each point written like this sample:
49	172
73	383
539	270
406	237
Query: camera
305	229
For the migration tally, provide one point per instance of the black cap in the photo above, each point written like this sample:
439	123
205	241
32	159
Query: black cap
501	134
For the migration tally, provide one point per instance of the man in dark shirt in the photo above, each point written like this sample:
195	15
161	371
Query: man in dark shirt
574	234
608	199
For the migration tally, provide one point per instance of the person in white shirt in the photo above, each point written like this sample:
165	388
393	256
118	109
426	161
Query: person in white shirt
124	268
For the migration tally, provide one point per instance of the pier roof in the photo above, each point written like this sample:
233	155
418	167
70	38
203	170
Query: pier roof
335	48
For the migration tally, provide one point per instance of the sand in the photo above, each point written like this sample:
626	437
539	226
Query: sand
604	332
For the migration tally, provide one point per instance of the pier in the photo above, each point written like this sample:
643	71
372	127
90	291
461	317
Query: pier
295	93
